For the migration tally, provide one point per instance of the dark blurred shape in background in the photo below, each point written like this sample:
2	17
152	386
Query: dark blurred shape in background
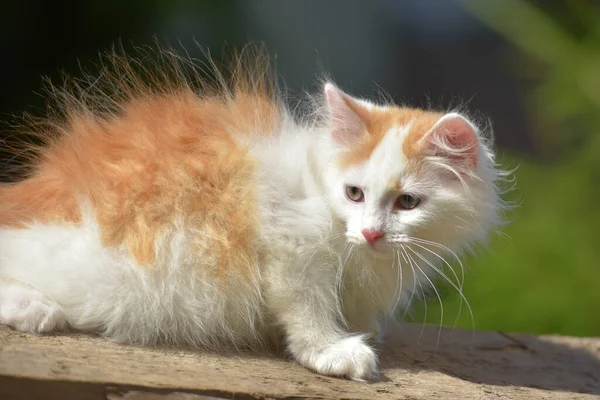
532	67
414	50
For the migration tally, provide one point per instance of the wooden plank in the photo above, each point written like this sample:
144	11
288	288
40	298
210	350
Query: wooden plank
414	365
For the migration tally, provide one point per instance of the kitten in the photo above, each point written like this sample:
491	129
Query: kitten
171	208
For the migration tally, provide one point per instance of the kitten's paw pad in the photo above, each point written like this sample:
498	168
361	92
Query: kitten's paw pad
350	357
28	311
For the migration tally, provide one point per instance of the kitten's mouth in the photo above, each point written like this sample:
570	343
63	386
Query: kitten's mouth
379	248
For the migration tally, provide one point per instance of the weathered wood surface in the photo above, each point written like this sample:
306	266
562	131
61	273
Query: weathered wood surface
463	365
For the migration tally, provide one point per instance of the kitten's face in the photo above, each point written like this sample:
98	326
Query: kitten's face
402	175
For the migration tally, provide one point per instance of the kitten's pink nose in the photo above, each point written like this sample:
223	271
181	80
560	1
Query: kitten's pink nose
372	236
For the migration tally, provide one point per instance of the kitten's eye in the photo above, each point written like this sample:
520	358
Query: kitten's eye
407	202
355	194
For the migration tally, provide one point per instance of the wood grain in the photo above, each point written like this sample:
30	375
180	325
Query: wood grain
414	365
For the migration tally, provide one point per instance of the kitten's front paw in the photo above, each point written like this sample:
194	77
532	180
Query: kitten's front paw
350	357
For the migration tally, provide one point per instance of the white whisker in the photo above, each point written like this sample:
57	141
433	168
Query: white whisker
437	295
398	290
449	250
458	289
414	288
458	281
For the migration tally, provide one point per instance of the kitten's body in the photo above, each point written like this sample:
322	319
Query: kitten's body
218	218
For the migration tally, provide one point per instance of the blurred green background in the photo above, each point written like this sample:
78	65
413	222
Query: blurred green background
544	275
532	67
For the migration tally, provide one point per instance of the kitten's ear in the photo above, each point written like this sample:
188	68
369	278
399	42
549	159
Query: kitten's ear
453	137
347	116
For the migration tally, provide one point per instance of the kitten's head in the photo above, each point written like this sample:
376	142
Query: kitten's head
401	175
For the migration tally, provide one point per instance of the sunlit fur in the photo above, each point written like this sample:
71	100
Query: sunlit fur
170	207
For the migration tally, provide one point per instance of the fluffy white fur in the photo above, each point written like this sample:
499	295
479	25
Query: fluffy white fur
321	289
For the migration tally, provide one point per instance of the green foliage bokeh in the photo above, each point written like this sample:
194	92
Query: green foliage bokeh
543	274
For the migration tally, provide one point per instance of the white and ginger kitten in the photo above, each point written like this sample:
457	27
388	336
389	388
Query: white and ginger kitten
167	208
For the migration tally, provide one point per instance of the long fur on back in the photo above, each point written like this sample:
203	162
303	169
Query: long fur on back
121	76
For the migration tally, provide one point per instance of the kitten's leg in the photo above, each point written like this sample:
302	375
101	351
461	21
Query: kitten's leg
306	305
28	310
365	324
360	313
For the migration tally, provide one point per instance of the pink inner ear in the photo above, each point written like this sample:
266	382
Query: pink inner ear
346	125
454	138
